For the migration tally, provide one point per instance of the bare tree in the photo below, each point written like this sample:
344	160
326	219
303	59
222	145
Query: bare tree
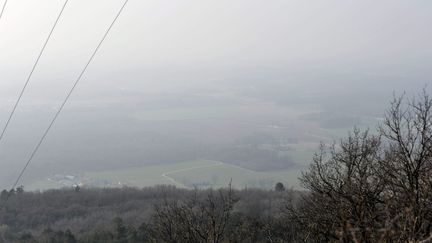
371	188
195	220
345	190
408	164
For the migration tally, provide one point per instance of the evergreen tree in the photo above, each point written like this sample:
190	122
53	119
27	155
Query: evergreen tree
279	187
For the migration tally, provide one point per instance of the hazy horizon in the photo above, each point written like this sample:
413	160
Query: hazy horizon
186	80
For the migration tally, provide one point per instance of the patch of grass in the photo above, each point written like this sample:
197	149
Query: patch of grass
146	175
43	184
222	175
190	113
292	112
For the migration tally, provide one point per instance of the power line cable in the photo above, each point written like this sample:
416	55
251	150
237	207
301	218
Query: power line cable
3	8
68	96
31	72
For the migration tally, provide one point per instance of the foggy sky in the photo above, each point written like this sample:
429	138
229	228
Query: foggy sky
388	38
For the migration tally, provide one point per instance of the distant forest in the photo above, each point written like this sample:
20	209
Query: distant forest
372	186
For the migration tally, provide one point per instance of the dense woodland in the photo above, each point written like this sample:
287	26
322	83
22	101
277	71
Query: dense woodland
159	214
372	186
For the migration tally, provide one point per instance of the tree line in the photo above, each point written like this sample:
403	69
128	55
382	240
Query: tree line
157	214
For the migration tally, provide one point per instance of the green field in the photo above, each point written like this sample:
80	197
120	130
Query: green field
44	184
225	111
221	174
198	173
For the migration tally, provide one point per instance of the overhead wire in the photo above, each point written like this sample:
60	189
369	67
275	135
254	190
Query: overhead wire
3	9
17	102
42	139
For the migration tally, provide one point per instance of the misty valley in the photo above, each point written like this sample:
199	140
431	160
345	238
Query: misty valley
223	121
257	142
